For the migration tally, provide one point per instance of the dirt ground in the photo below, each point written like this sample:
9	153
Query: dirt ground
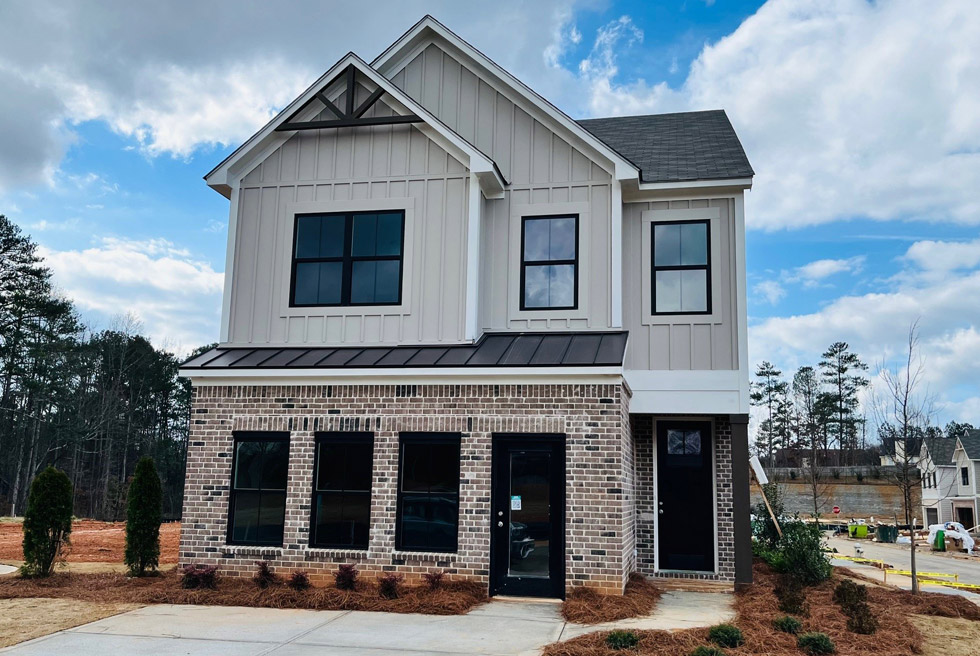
92	542
947	636
26	619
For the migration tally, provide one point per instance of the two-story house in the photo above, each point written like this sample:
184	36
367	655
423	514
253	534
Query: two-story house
966	463
937	479
464	332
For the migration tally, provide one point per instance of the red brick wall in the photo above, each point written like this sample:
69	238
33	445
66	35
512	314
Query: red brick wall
600	503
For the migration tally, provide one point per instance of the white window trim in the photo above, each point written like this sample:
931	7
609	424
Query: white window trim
582	270
647	219
407	205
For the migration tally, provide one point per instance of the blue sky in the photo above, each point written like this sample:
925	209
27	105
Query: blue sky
861	119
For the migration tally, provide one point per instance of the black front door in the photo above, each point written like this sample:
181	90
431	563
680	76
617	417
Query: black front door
527	518
685	497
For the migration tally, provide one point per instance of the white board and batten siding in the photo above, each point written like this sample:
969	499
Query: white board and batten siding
547	175
382	167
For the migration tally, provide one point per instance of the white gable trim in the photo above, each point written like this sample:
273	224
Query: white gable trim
428	30
226	175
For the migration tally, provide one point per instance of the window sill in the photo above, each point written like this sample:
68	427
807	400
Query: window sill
251	550
450	556
318	553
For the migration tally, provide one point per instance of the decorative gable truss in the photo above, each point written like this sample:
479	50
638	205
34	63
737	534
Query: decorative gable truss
316	109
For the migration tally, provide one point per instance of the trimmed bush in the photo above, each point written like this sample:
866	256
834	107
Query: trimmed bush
792	596
265	577
787	624
862	620
433	579
849	595
346	577
798	553
299	581
47	521
726	635
622	640
389	585
199	577
143	515
707	651
816	643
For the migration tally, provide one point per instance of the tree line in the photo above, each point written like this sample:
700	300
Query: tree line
90	403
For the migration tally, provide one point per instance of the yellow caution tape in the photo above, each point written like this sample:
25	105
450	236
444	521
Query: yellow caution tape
933	575
951	584
855	559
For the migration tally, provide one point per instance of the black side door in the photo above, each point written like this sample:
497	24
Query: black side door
527	519
685	497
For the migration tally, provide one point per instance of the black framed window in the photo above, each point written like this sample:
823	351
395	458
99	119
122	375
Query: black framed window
341	509
965	475
345	259
428	492
681	256
549	262
257	507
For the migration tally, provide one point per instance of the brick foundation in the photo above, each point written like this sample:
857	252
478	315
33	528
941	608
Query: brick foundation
600	508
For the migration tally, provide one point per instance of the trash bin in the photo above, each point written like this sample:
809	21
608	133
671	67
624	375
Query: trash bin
887	533
940	544
857	530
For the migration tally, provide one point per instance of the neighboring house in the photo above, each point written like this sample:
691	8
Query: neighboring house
464	332
893	451
966	462
938	479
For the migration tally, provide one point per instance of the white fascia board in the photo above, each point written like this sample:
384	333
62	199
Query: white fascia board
685	392
742	183
420	35
267	140
420	376
474	228
231	247
741	300
616	256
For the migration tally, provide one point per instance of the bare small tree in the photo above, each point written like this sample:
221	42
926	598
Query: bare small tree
904	409
806	394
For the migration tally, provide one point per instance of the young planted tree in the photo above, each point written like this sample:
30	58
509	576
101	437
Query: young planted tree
806	397
47	522
840	371
766	393
143	514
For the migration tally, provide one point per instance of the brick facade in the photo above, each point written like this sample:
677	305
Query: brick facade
644	436
600	506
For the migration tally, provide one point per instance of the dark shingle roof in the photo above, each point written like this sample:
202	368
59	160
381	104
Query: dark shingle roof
676	147
941	450
582	349
971	444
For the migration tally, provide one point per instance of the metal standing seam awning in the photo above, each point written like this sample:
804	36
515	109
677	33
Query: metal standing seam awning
566	349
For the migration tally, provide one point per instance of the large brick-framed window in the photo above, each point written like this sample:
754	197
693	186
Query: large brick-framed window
341	509
257	504
428	492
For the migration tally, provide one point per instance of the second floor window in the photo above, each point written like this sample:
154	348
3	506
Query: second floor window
681	268
549	263
965	475
345	259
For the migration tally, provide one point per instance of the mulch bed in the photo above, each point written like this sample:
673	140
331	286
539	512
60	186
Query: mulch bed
586	606
758	606
450	598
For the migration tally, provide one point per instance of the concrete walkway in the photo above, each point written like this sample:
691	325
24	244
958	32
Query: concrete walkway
498	628
7	569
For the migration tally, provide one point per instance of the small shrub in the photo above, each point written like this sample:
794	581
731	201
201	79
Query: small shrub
299	581
860	476
815	643
726	635
849	595
195	577
707	651
346	577
787	624
763	529
622	640
265	577
144	508
799	553
433	579
836	474
862	620
792	474
389	584
792	596
47	521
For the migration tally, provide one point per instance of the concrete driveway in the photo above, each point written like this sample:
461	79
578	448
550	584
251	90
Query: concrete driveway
501	628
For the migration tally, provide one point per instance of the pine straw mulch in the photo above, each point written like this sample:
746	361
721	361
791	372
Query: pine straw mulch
450	598
758	606
587	606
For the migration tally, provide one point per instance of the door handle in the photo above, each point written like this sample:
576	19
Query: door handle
660	512
501	524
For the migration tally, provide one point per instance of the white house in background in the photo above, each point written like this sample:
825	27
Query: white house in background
938	479
966	461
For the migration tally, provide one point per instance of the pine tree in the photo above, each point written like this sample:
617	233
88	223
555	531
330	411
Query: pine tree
47	522
840	371
143	514
766	393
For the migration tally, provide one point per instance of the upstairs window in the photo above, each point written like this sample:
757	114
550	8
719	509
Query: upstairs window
681	267
965	475
342	490
549	263
428	492
348	259
258	489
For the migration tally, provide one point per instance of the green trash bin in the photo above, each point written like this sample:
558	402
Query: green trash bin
858	530
887	533
940	541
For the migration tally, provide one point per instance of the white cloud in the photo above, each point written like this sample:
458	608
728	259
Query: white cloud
174	295
771	290
845	107
812	273
944	255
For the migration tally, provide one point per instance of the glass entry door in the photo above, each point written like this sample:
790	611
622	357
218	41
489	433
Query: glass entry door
528	515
